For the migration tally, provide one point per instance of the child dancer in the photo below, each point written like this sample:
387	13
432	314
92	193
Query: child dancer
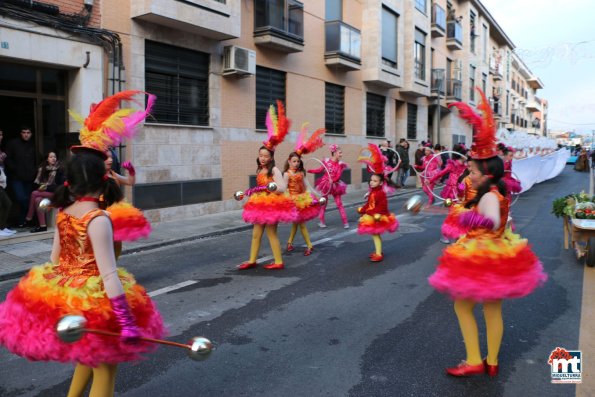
306	204
430	168
82	278
266	209
489	263
512	185
333	186
375	217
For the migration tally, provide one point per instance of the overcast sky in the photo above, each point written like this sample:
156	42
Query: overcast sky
556	40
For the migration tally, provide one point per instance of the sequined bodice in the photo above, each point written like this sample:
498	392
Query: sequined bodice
77	259
262	179
335	168
504	208
295	183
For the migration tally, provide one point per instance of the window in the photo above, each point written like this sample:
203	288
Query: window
484	81
484	40
282	16
389	36
375	114
411	121
472	83
421	5
419	53
334	109
507	101
180	79
334	10
472	34
270	86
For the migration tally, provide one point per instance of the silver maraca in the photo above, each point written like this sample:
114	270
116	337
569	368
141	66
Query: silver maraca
414	204
45	205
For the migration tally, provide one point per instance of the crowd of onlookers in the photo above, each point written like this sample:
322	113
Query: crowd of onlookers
23	184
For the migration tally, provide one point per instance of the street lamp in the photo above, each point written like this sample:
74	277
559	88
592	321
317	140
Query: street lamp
438	79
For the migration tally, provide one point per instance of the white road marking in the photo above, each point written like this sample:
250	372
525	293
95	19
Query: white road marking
174	287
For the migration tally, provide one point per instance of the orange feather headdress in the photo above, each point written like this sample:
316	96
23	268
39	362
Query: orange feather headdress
376	161
305	146
484	127
107	125
277	126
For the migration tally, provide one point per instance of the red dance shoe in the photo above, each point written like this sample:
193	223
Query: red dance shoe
376	258
246	265
308	251
464	369
290	247
491	370
274	266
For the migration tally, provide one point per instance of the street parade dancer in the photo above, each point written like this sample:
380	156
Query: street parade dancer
429	169
265	209
294	174
489	263
82	277
332	184
375	218
513	186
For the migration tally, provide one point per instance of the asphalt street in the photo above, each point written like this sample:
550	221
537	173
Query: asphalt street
333	323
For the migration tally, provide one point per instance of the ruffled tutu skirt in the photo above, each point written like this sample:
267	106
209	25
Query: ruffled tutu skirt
369	225
29	315
324	185
451	228
266	208
449	191
488	269
128	221
512	185
307	208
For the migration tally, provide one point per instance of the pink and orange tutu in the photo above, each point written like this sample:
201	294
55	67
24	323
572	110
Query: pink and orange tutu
48	292
324	185
128	221
451	228
307	207
482	267
267	208
369	225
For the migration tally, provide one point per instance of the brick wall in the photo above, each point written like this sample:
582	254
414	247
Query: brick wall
75	7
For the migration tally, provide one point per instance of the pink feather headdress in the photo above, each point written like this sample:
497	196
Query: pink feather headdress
484	127
305	146
376	161
106	125
277	126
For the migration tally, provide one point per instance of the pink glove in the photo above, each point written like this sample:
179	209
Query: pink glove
129	331
127	165
472	219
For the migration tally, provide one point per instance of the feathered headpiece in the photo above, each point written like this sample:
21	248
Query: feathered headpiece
305	146
106	125
333	147
277	126
376	161
484	127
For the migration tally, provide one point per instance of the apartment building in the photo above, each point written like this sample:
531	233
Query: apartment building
365	70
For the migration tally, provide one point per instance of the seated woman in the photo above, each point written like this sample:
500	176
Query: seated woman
49	176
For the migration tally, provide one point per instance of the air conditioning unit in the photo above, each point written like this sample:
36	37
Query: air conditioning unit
238	61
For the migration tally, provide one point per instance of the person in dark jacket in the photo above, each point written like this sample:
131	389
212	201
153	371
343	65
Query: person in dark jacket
391	157
21	169
403	173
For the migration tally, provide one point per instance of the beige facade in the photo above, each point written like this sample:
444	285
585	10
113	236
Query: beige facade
177	157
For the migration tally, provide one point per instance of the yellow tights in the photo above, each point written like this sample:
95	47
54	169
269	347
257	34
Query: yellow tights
304	231
492	312
271	231
377	243
104	380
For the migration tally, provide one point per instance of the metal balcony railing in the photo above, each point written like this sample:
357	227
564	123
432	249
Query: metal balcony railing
343	39
454	30
454	89
438	17
282	16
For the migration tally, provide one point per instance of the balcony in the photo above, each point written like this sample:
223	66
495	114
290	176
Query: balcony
438	21
454	35
279	24
533	106
208	18
454	90
343	46
497	109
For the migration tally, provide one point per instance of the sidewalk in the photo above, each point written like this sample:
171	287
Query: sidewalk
18	254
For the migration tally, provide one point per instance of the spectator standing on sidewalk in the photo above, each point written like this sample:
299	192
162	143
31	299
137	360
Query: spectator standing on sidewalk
419	159
5	202
20	169
403	172
391	157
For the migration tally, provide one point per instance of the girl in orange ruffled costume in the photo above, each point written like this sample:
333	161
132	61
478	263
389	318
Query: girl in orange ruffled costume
266	209
305	202
375	218
488	263
82	278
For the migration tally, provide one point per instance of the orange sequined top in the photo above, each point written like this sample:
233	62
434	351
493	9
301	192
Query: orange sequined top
504	209
295	184
262	179
77	260
470	192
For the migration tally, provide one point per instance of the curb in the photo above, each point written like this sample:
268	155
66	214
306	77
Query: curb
160	244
